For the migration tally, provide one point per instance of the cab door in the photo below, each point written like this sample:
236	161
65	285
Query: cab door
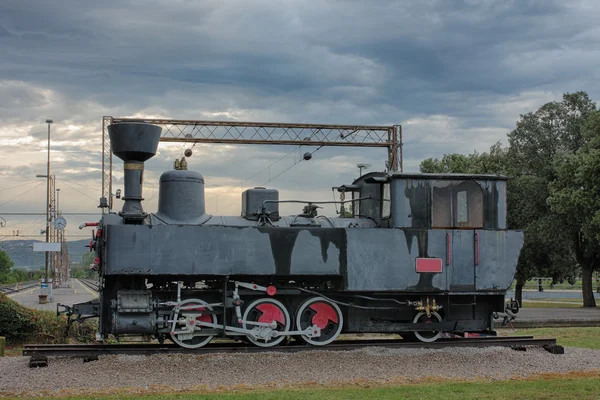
461	275
457	206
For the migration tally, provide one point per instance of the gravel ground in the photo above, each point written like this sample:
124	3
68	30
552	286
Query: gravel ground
222	371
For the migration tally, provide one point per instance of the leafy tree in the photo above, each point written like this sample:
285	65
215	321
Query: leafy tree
541	150
554	129
6	265
84	271
450	163
494	162
575	198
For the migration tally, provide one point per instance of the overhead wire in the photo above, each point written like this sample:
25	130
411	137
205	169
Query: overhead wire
22	194
79	184
35	221
255	174
17	186
282	172
86	195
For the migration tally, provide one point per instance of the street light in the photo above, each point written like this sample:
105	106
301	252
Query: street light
361	167
49	122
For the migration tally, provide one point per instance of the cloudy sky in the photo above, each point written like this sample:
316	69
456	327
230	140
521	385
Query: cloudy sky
455	74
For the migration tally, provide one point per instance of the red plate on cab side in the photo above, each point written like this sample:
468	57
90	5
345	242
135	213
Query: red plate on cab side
433	265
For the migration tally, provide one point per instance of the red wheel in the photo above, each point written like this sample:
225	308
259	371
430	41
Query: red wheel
266	311
427	336
326	315
187	333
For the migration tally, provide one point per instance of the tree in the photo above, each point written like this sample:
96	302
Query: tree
575	198
84	271
6	265
554	129
494	162
450	163
541	150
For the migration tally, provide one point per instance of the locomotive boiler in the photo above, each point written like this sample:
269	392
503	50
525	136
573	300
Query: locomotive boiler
413	254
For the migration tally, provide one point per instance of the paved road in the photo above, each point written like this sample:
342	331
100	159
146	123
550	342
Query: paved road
551	294
555	317
533	314
72	292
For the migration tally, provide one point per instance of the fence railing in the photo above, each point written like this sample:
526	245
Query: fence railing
542	283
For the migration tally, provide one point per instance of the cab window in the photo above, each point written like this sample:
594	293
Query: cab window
386	204
457	204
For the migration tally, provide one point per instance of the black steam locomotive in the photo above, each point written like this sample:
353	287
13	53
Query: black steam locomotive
414	254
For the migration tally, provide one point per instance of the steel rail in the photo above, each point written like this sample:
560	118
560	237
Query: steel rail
86	350
8	289
94	285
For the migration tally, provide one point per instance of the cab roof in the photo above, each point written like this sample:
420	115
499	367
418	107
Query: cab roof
417	175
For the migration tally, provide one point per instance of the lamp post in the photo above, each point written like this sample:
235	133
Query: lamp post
42	295
361	167
59	237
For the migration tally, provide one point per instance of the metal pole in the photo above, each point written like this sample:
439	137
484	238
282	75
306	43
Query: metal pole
58	236
48	199
44	294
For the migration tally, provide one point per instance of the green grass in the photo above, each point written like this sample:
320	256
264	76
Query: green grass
559	300
571	337
569	387
552	304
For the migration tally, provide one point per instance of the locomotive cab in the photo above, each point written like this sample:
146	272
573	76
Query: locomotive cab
459	222
431	201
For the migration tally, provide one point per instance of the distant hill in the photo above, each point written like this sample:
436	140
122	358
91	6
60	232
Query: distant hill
21	252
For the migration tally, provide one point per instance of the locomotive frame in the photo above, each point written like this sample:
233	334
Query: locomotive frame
420	255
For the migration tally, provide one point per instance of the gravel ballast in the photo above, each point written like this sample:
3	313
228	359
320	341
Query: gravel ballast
218	371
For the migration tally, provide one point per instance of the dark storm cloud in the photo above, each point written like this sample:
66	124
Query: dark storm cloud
456	74
123	52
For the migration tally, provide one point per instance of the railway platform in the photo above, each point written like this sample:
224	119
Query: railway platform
71	292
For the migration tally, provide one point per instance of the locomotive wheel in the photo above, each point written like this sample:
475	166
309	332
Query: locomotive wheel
322	313
266	310
427	336
196	339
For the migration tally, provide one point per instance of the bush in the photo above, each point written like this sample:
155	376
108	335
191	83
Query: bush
20	324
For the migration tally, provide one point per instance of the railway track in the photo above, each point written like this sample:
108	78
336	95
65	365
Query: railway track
18	287
90	350
91	283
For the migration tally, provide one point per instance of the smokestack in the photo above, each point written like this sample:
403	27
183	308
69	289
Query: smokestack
134	143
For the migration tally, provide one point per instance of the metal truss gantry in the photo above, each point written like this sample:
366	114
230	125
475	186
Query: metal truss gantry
62	258
58	262
234	132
